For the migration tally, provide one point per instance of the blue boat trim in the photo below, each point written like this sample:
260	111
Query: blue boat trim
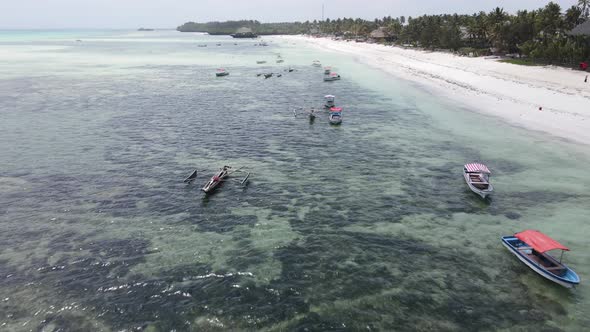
570	272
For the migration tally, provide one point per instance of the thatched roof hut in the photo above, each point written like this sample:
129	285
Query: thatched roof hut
581	30
244	30
379	33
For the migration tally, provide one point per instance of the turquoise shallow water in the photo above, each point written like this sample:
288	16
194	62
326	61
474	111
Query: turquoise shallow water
364	226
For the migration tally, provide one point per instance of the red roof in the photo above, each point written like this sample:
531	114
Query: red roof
539	241
335	109
477	168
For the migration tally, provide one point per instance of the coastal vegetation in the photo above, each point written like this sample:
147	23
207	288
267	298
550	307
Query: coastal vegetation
542	35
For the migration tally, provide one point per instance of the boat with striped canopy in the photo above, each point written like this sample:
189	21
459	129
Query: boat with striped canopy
329	101
532	247
477	177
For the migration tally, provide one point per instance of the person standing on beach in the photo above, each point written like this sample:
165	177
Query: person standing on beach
586	79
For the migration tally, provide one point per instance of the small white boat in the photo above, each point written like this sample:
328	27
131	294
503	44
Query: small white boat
335	116
329	101
477	177
331	77
531	248
221	72
316	63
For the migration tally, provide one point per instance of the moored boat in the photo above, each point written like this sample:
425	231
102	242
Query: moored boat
221	72
316	63
329	101
216	179
327	70
477	177
335	115
531	248
331	77
260	62
280	61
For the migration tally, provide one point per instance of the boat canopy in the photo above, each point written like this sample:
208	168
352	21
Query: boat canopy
335	109
329	97
539	241
477	168
220	69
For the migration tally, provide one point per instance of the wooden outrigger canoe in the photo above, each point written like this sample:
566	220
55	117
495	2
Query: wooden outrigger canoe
216	179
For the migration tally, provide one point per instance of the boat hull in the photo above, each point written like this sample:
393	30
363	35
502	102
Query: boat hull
335	120
483	193
539	269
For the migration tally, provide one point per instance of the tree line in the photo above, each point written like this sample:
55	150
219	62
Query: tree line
541	34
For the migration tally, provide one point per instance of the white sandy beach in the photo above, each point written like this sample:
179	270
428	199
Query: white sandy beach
511	92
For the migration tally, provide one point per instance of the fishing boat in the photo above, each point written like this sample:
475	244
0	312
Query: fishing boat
327	70
335	116
280	61
218	44
316	63
331	77
268	75
216	179
329	101
221	72
260	62
531	248
477	176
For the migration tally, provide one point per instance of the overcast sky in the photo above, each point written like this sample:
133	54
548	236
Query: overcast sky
42	14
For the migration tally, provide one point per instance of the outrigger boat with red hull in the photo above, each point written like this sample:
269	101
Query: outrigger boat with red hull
531	248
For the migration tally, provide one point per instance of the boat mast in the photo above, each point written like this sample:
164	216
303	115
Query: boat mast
322	12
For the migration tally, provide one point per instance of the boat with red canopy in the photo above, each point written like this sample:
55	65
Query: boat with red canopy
221	72
331	77
532	248
477	177
335	115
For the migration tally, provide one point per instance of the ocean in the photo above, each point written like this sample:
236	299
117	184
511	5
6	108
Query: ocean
364	226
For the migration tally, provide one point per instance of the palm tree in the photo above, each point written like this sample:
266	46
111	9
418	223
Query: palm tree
496	19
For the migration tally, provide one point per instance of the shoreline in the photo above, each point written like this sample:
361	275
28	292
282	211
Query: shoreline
510	92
